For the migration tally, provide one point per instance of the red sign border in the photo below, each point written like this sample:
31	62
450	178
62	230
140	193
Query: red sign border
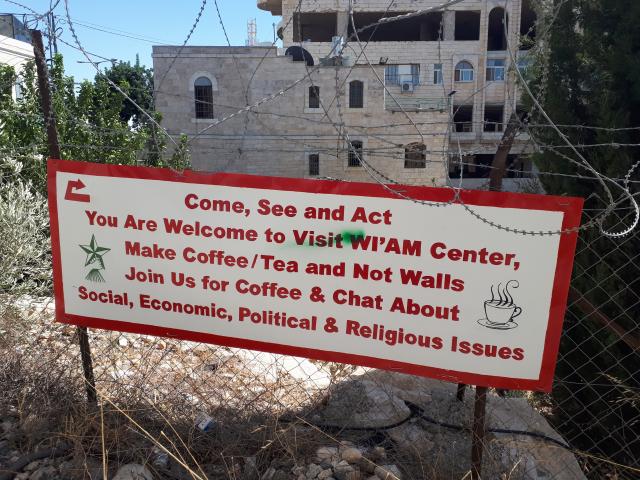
571	207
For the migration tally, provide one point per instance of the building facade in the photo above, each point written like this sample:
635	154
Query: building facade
15	46
398	100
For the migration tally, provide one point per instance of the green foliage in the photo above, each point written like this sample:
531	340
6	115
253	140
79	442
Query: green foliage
25	260
593	78
96	123
137	82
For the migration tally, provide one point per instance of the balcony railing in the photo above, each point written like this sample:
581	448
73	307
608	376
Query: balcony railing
410	103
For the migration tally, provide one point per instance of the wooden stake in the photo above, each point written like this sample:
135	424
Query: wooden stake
54	152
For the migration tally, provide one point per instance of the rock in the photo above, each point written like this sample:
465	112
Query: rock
77	468
351	455
528	457
367	466
44	473
324	474
388	472
313	471
378	453
133	471
344	471
325	455
160	458
30	467
299	470
250	470
269	474
280	475
411	435
4	448
122	341
363	403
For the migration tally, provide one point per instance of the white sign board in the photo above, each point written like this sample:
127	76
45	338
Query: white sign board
329	270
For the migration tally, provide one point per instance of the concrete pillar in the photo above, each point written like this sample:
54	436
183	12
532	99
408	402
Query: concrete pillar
342	24
424	31
449	25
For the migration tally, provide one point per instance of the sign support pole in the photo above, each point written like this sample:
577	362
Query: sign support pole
499	167
477	440
460	392
54	152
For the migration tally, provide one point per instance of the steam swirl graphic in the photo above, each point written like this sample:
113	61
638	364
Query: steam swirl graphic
503	297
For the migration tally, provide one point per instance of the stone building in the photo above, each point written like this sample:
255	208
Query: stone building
400	95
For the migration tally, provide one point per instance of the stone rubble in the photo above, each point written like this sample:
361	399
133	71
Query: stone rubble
348	462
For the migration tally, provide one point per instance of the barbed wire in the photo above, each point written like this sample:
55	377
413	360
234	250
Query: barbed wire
111	82
186	40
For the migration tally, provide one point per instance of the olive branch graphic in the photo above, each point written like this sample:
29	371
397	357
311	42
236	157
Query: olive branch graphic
94	258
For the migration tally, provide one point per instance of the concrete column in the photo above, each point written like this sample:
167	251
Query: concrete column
449	25
342	24
424	31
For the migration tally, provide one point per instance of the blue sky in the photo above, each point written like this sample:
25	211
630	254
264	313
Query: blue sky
152	22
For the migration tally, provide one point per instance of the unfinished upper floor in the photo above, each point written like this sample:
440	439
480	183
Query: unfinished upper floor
380	21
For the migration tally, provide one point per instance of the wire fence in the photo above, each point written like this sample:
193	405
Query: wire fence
190	410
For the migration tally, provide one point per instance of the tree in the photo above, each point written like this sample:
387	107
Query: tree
95	121
137	82
592	78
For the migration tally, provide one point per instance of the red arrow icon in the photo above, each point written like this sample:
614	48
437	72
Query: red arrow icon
70	194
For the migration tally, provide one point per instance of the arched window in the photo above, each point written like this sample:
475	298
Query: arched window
496	38
356	94
528	19
203	93
355	153
415	155
464	72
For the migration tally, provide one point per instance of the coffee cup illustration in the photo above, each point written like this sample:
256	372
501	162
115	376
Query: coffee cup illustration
501	310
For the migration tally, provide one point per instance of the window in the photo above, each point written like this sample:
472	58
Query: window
437	74
426	27
314	27
314	164
415	156
314	97
528	19
399	74
493	118
203	97
496	38
463	118
356	94
467	26
464	72
495	70
355	153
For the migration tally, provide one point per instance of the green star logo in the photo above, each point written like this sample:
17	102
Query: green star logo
94	259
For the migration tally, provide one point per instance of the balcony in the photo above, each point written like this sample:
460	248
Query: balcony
273	6
410	103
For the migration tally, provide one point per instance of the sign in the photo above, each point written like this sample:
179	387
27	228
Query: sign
336	271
